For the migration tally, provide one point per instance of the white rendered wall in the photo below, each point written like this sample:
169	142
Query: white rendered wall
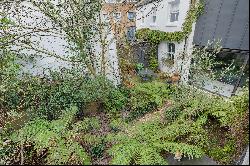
162	23
162	16
59	46
162	53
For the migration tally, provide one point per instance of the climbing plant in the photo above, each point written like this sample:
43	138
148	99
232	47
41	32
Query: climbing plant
155	37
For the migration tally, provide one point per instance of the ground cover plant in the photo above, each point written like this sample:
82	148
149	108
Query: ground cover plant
73	116
138	125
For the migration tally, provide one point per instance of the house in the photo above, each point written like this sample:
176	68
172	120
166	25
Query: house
166	18
164	23
227	21
120	15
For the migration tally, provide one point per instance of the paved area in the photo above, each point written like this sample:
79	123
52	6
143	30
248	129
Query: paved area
246	158
185	161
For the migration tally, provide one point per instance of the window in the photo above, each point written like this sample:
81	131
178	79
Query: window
105	17
117	16
171	51
174	11
154	14
131	33
131	16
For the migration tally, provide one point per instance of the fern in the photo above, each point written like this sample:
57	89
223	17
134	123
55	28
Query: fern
190	151
55	137
142	143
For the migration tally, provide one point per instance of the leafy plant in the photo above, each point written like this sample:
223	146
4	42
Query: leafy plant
51	140
172	113
142	143
86	125
145	97
139	66
115	101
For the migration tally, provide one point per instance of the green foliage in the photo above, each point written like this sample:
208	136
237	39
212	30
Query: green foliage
87	124
97	150
223	154
142	143
139	66
145	97
53	137
153	61
172	113
195	109
117	124
115	101
55	92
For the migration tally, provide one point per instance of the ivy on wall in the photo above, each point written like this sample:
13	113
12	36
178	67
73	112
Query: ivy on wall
155	37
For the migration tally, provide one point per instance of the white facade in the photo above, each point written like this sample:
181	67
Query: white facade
59	46
166	16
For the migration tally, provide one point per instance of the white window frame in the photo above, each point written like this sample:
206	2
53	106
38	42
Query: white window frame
106	17
119	18
133	14
154	16
171	53
171	11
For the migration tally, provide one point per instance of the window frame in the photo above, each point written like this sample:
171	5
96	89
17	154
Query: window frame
174	11
134	15
115	18
154	10
171	51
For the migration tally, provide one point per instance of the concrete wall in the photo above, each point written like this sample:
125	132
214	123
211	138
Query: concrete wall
227	20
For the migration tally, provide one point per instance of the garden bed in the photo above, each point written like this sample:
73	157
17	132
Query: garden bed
147	123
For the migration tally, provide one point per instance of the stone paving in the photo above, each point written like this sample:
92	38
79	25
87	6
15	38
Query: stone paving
185	161
246	158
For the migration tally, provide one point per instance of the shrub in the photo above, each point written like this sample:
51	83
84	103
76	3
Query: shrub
172	113
115	101
142	143
117	124
49	142
145	97
51	94
87	124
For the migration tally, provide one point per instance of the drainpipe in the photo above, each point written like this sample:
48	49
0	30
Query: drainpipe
183	55
241	74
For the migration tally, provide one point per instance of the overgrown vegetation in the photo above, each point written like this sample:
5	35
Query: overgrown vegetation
72	118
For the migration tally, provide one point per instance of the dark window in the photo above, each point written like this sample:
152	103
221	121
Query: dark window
174	16
131	15
131	33
171	51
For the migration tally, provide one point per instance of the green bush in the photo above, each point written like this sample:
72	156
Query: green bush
117	124
87	124
145	97
172	113
50	142
115	101
223	154
51	94
142	143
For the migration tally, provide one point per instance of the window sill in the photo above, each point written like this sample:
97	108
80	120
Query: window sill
153	24
171	25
